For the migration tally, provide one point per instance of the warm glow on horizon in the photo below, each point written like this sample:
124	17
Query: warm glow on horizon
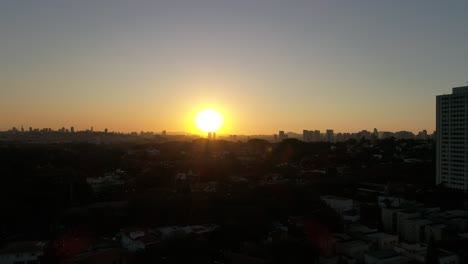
209	120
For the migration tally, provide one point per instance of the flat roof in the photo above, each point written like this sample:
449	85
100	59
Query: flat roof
335	197
460	90
354	243
380	234
383	254
23	247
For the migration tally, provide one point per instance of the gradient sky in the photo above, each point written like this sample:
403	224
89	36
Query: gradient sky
267	65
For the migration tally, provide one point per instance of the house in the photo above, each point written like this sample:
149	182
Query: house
29	252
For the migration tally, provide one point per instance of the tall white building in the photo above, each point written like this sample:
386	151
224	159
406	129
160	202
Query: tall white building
452	139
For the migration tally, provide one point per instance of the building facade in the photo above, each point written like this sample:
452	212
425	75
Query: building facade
452	139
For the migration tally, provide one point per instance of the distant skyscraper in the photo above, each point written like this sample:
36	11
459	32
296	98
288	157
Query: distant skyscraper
164	133
306	135
452	139
209	135
317	136
375	135
422	135
282	135
330	135
214	135
72	129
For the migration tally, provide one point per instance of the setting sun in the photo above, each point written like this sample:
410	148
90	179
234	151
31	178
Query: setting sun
209	120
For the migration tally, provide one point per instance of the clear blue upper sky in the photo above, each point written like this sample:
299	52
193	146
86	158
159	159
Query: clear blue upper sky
267	65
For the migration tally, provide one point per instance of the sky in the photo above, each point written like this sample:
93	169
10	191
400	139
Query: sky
266	65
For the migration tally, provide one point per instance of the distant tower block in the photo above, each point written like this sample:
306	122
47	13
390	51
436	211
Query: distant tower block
105	130
214	135
209	135
72	129
281	135
164	133
330	135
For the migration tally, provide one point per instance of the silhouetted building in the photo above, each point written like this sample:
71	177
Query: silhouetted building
306	135
330	135
317	136
164	133
422	135
375	135
452	139
282	135
209	135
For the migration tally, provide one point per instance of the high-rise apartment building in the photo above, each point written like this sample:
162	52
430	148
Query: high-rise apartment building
282	135
452	139
330	135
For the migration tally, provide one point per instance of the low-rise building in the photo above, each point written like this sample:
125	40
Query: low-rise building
435	231
354	249
402	216
343	206
22	252
413	230
383	257
138	239
339	204
389	219
418	252
381	241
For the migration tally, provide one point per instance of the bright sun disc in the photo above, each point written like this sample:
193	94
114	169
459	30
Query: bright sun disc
209	120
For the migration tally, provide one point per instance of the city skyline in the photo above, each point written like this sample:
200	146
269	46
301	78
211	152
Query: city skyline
266	66
71	129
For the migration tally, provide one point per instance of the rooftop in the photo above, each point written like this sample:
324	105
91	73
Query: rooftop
335	197
23	247
379	234
383	254
460	90
353	243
